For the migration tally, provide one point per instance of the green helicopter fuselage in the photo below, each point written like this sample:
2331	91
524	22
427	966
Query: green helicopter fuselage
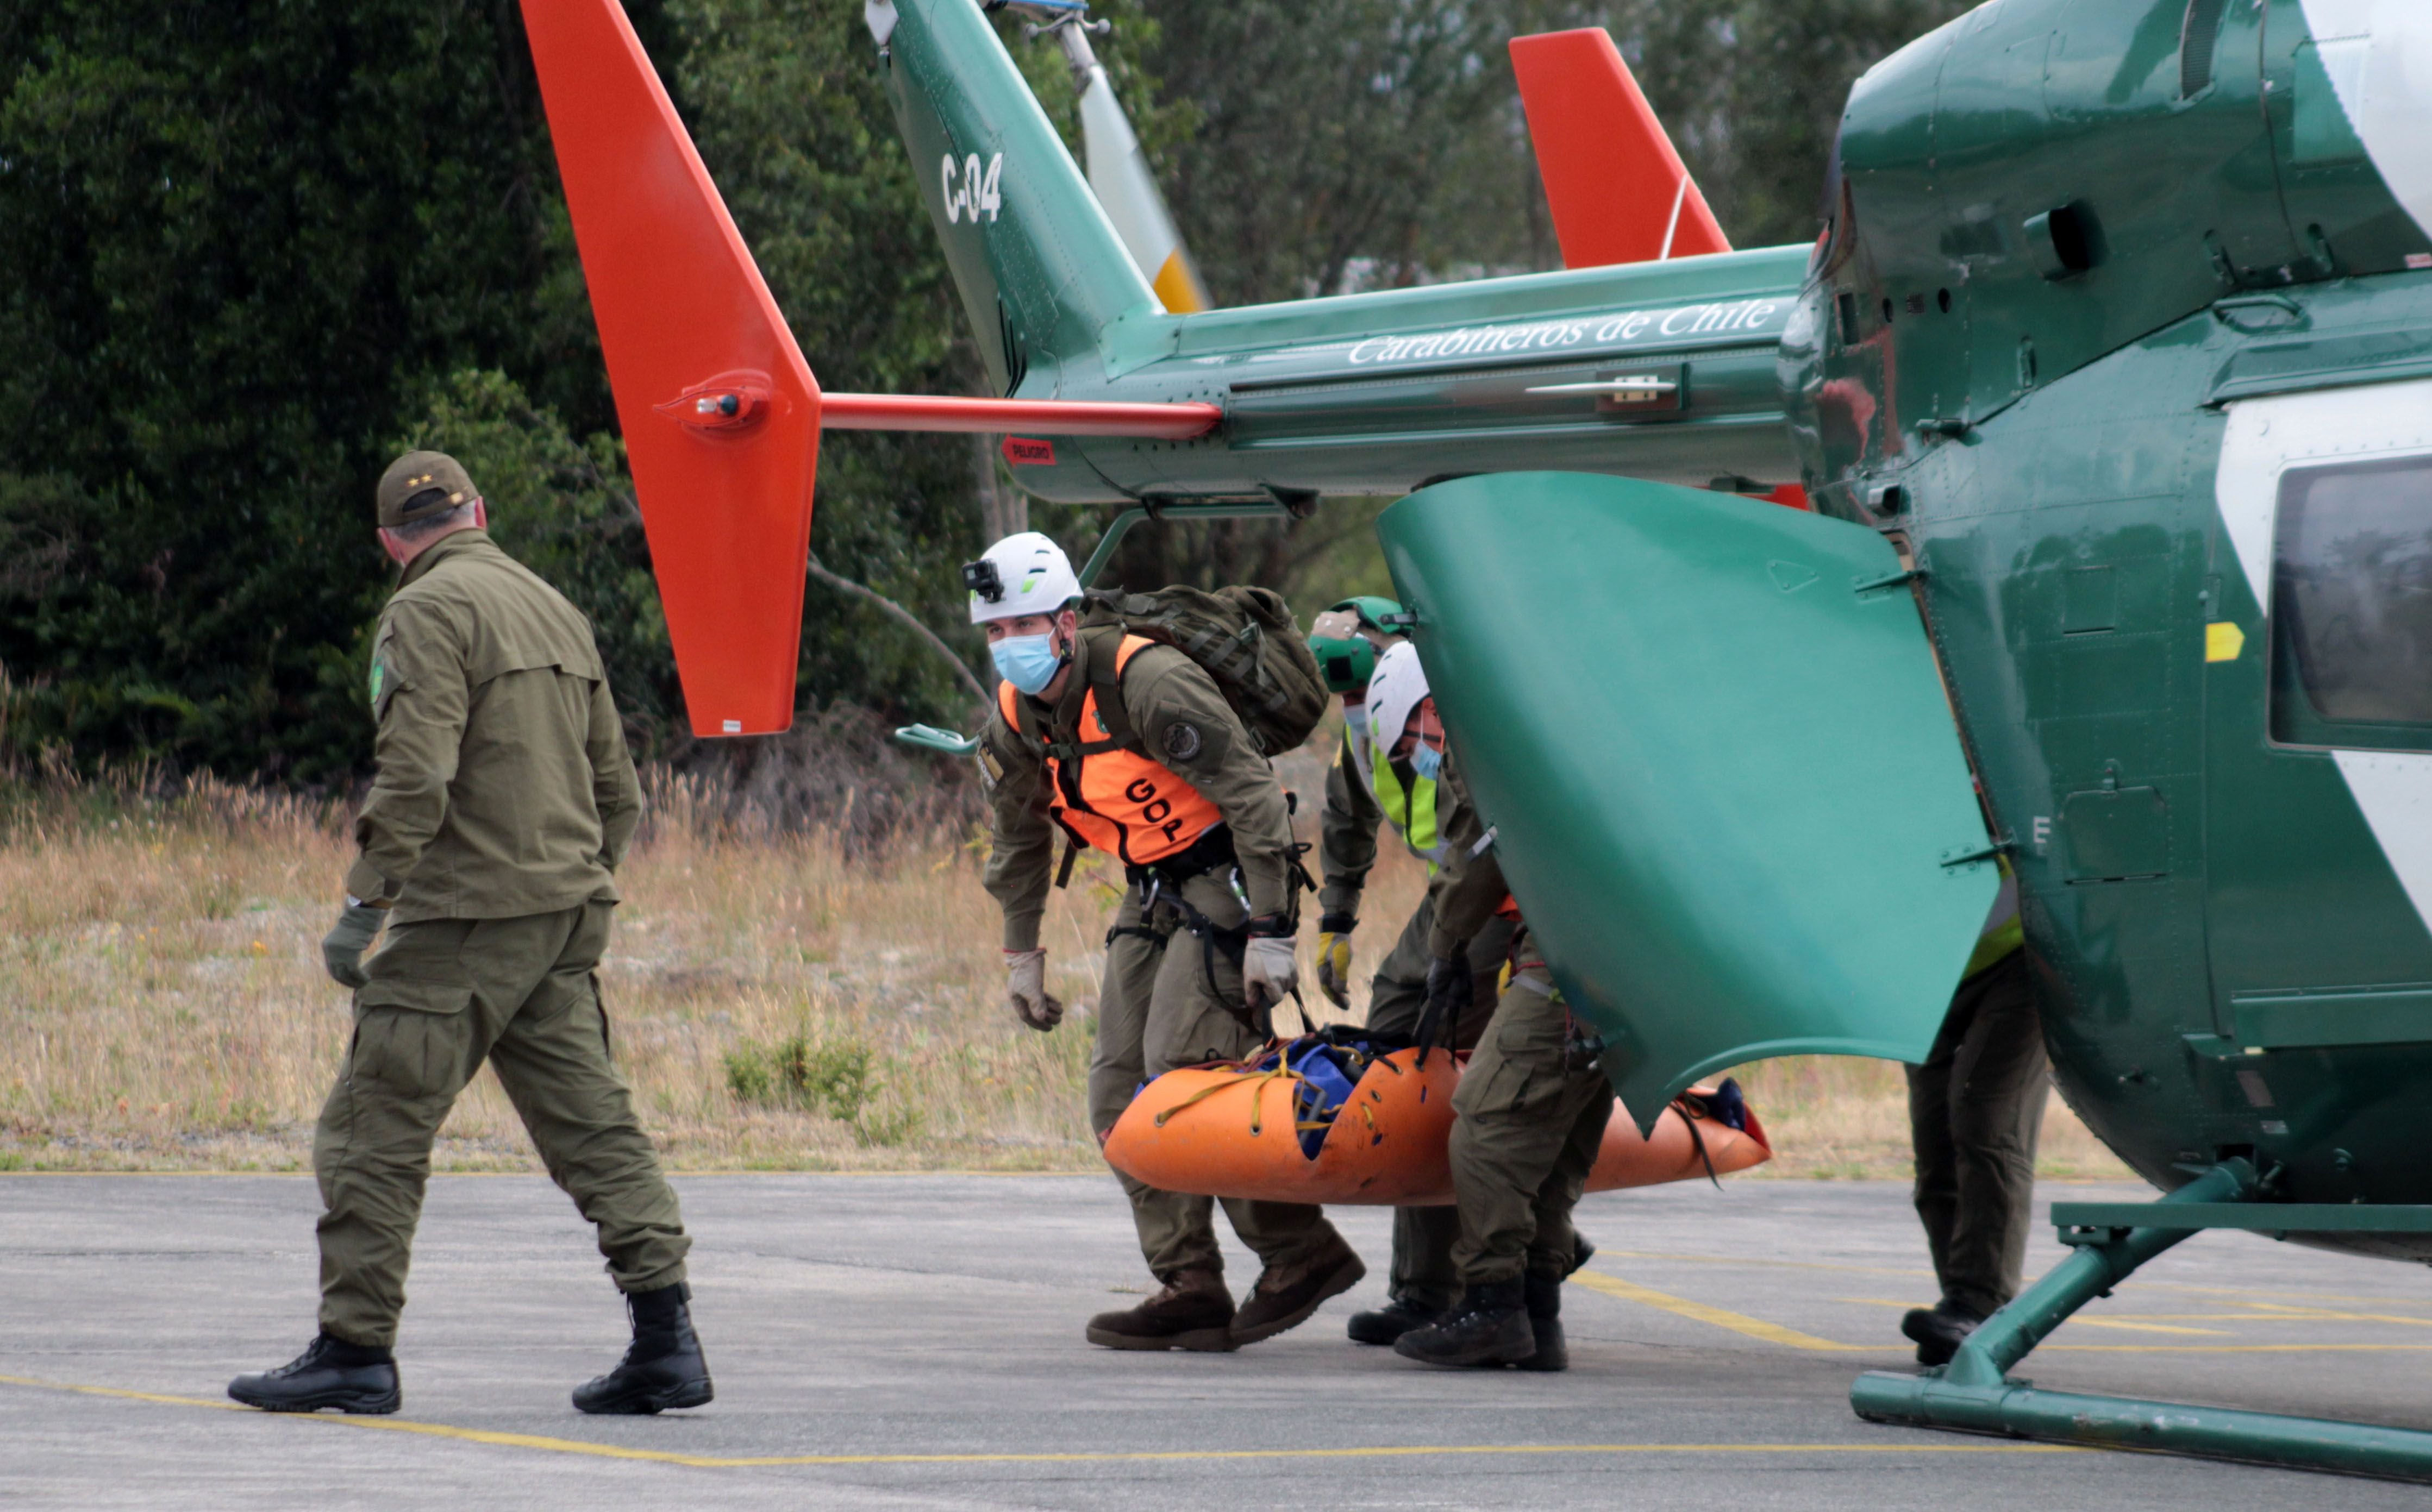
2120	333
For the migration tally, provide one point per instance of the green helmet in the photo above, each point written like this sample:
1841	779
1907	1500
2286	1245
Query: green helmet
1345	656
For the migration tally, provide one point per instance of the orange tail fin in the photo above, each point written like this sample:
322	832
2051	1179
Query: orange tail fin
720	414
1618	190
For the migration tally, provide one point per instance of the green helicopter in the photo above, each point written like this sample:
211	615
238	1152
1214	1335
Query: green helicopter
2109	384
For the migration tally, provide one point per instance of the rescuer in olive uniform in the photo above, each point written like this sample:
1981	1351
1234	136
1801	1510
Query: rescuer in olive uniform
503	803
1975	1113
1202	948
1376	670
1531	1105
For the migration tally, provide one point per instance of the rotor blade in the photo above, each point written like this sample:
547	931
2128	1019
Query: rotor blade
1120	176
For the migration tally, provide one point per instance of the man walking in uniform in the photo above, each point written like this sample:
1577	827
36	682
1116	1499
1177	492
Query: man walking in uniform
1201	952
503	803
1369	786
1975	1110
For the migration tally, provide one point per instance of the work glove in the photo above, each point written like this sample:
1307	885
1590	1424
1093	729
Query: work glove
1025	989
342	947
1334	957
1270	964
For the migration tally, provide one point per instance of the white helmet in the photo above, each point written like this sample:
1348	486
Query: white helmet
1398	685
1026	573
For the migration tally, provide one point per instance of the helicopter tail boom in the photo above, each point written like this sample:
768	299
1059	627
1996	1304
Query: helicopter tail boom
1042	272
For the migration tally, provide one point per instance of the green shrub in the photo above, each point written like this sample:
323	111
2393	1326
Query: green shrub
748	1074
836	1077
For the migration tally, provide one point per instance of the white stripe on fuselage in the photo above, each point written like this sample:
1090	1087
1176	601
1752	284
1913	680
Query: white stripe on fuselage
2267	437
2378	53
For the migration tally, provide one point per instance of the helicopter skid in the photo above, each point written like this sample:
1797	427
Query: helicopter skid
1975	1393
2015	1409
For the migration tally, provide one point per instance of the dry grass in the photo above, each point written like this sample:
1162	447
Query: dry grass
162	1004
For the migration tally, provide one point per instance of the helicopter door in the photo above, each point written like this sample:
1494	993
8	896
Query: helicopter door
2318	709
1728	792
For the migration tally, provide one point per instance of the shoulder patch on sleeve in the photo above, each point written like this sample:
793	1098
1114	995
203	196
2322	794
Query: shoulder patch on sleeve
382	682
991	769
1182	740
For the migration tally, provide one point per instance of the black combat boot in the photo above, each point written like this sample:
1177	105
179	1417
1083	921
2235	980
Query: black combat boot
1939	1329
1489	1327
1543	1297
1393	1320
330	1373
663	1366
1193	1311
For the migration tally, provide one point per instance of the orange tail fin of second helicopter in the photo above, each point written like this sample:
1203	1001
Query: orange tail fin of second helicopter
1618	187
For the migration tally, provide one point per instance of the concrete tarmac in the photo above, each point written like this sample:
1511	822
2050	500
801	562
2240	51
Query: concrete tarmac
916	1341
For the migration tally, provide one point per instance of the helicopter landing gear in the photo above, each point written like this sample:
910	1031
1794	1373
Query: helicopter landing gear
1975	1392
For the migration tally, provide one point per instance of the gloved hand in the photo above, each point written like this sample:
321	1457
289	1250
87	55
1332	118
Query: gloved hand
1269	964
342	947
1450	990
1025	988
1334	957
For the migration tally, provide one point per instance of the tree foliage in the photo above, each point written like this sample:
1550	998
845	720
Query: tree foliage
256	247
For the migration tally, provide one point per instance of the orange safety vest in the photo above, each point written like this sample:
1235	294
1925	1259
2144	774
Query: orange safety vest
1118	799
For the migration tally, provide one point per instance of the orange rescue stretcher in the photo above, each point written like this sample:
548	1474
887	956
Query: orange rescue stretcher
1233	1130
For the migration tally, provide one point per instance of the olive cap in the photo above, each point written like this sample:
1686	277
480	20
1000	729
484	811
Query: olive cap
415	473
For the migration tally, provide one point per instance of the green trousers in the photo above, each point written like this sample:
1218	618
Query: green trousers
1424	1237
1532	1110
1166	1001
1975	1110
445	995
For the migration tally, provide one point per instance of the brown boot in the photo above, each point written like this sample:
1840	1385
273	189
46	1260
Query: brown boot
1285	1295
1194	1312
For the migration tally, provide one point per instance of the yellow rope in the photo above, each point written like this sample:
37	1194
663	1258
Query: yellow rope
1281	1072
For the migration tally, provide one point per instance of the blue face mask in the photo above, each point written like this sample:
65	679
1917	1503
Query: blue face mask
1027	661
1355	719
1427	761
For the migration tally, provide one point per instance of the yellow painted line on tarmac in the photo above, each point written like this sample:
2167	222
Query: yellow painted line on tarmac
2242	1295
1763	1263
1775	1333
663	1456
121	1393
2127	1325
1720	1317
2239	1294
2137	1325
2282	1310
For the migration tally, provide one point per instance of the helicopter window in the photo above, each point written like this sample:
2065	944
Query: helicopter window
2351	606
